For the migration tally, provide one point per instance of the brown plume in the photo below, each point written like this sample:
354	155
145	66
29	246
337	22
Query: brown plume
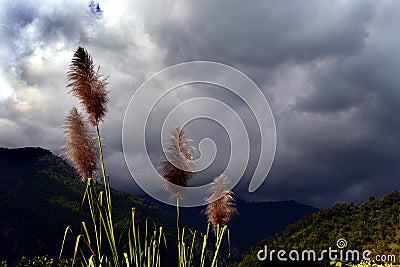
80	145
178	161
88	85
221	204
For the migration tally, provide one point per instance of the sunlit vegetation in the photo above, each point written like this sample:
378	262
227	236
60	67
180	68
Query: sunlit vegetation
371	225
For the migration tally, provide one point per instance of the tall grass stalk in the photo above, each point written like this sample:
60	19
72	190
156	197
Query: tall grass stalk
203	248
143	251
90	88
219	234
185	251
146	253
107	221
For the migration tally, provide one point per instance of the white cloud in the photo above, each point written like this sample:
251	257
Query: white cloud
5	90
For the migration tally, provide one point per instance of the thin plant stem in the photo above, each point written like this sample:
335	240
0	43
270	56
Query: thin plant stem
205	237
89	189
107	190
180	263
219	235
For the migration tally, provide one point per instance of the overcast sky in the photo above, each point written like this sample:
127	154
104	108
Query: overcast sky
329	70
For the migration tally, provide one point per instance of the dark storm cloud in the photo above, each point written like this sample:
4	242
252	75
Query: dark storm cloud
324	159
337	126
328	69
262	32
350	121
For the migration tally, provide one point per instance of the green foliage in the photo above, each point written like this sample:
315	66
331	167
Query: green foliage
40	195
363	264
144	252
43	261
198	249
371	225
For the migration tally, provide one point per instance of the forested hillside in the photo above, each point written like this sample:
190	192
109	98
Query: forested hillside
371	225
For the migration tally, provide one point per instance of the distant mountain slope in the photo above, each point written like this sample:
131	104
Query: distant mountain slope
372	225
40	195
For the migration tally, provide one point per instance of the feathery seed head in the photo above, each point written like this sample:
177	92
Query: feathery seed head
80	145
88	85
221	204
178	161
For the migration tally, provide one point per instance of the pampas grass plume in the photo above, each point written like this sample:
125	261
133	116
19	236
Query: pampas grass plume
221	204
88	86
178	161
80	145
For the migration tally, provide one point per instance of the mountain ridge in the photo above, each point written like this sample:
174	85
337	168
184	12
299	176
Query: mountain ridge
40	195
370	225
